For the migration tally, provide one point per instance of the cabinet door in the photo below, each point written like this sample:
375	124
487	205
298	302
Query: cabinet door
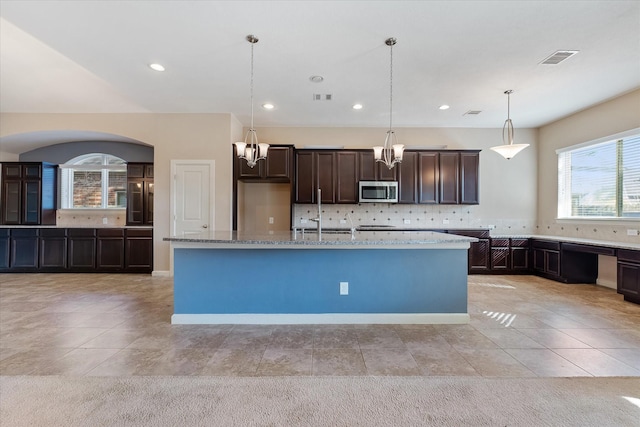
347	177
428	178
469	185
139	251
479	256
325	169
552	262
306	183
81	254
136	170
53	249
110	250
278	163
4	248
371	170
246	172
24	249
539	260
407	178
11	202
148	202
499	259
629	280
519	258
31	202
11	171
135	202
449	168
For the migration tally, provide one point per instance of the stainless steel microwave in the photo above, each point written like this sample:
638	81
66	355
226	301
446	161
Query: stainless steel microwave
378	191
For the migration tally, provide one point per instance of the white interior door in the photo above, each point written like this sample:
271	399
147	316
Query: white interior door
192	196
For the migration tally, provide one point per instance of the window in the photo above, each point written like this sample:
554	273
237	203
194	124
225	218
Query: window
94	181
600	180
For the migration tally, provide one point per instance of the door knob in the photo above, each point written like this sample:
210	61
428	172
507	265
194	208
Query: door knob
205	226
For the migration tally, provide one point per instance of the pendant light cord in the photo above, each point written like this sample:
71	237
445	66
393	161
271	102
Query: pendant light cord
391	87
251	86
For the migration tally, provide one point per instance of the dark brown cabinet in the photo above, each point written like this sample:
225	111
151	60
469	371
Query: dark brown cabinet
53	249
519	255
76	250
276	167
469	178
346	177
546	258
428	178
140	192
110	249
449	176
138	250
629	275
479	252
500	255
408	173
315	170
371	170
28	195
24	249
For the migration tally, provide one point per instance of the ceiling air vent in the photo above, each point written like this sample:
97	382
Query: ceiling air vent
472	113
559	56
321	97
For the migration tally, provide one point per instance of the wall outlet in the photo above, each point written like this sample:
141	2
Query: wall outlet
343	221
632	232
105	221
303	220
344	288
491	227
445	221
270	220
407	221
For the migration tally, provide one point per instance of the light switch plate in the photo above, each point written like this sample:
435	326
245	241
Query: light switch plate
407	221
632	232
344	288
445	221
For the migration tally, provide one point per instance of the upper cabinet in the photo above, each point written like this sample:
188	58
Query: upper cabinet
28	193
140	193
277	167
424	176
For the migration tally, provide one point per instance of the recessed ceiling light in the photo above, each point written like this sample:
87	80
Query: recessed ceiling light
268	106
444	107
156	67
316	79
357	106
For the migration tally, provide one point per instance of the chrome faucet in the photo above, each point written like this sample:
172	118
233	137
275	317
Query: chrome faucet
318	219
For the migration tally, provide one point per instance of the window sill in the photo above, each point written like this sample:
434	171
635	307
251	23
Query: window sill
91	210
598	220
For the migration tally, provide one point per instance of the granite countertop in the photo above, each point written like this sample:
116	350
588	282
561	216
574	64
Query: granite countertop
328	238
143	227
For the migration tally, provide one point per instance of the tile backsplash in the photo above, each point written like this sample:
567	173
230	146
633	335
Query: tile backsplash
91	218
595	230
418	216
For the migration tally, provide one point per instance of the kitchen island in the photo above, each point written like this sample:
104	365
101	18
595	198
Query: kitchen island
295	278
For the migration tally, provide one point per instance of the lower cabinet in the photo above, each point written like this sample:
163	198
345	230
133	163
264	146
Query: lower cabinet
76	250
629	275
479	252
519	255
546	258
500	255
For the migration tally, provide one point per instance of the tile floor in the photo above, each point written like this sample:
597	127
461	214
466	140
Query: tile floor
106	325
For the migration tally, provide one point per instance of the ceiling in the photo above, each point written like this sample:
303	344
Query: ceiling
93	56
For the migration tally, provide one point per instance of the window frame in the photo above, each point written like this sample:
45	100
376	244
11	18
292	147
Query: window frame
563	212
66	180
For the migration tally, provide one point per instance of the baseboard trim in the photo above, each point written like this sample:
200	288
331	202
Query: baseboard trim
320	318
161	273
611	284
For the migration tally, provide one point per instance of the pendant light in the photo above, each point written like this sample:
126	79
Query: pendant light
509	149
250	149
391	152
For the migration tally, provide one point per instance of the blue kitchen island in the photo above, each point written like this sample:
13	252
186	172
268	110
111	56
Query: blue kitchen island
338	278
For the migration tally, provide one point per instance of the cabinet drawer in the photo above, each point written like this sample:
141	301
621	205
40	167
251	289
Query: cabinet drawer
24	232
499	243
628	255
82	232
53	232
600	250
519	243
546	244
110	232
480	234
132	232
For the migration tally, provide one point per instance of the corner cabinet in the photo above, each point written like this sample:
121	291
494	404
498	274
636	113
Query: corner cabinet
28	195
140	194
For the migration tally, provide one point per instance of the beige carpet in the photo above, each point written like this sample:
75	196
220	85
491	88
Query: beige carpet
317	401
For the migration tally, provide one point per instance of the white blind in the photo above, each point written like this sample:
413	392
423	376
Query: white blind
600	180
